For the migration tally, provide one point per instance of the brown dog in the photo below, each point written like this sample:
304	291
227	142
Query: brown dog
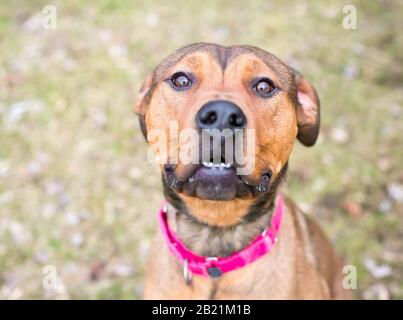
217	213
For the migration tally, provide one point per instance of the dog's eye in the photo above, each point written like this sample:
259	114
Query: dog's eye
264	87
181	80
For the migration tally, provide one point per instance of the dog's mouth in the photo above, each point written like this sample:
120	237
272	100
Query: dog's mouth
213	181
217	181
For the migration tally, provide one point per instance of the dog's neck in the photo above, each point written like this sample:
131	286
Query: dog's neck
211	241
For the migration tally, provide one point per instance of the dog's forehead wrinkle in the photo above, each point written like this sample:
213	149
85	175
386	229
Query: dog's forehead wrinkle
270	60
224	56
220	53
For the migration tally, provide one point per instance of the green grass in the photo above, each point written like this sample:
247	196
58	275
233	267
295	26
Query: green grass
75	188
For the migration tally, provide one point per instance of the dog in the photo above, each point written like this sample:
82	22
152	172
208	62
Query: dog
216	240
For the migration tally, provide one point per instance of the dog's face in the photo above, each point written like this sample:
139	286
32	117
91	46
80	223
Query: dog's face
207	87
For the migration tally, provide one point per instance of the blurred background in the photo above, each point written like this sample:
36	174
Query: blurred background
78	199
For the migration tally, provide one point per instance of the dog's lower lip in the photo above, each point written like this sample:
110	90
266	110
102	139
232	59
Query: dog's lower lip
213	182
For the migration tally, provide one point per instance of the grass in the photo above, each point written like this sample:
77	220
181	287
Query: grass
75	189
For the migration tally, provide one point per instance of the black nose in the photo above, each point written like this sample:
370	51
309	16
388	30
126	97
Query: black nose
220	115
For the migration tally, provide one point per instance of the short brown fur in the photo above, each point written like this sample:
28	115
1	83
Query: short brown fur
302	265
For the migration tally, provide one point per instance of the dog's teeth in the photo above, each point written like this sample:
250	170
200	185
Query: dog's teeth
208	164
217	165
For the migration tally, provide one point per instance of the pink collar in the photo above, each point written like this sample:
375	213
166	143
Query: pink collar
217	266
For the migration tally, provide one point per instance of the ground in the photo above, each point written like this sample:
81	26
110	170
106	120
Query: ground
77	196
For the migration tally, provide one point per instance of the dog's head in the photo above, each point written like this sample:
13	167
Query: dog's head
205	88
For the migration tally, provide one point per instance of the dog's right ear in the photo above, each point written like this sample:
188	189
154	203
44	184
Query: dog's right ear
142	101
143	97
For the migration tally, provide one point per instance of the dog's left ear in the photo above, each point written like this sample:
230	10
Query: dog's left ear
308	110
